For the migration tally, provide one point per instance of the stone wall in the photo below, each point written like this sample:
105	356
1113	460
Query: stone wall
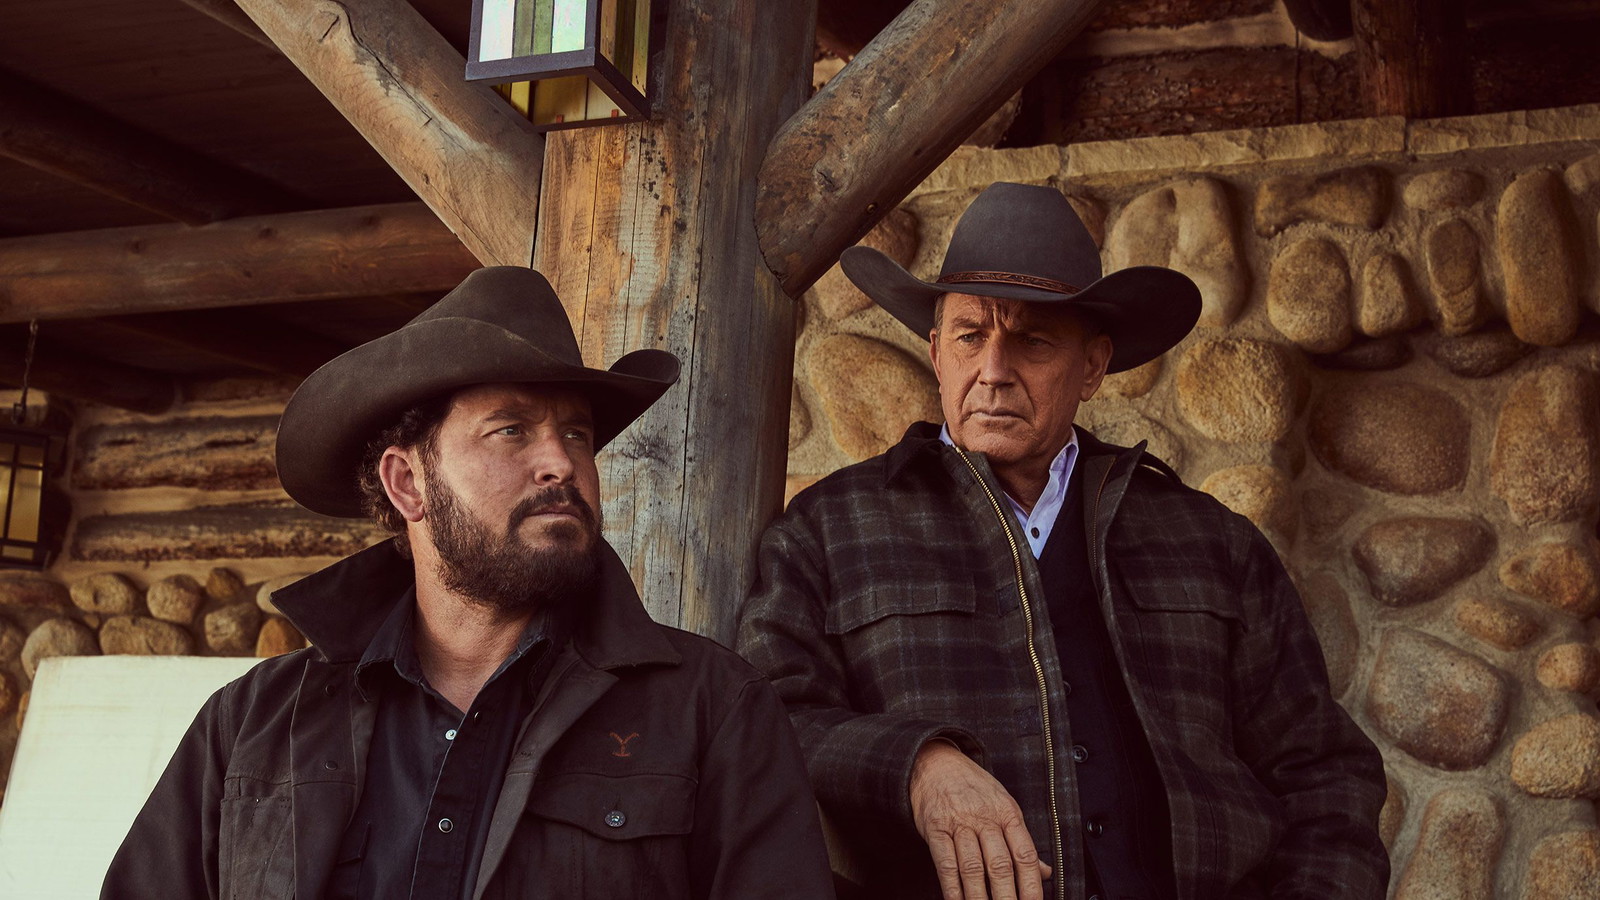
1395	378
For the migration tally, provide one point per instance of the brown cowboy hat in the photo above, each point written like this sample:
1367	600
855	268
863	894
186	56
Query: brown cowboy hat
502	324
1025	242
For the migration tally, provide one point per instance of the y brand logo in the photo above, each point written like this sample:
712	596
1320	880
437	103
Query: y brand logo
622	744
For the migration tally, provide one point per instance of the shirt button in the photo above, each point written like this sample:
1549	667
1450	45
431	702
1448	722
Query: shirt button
1094	828
450	735
1035	532
1080	753
446	826
616	819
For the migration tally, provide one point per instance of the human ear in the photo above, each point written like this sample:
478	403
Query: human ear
1096	358
933	350
397	469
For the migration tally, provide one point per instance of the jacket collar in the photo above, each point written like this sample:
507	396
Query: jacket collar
341	608
922	439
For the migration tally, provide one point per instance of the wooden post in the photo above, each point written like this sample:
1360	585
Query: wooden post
1412	55
890	117
323	255
463	149
647	232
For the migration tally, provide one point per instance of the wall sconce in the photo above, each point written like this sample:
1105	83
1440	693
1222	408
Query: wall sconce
564	63
29	532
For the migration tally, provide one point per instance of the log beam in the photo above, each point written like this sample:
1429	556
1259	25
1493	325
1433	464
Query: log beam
459	145
321	255
60	135
876	129
233	337
1412	57
647	232
71	374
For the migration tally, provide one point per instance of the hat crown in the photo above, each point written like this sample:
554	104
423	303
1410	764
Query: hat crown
518	299
1023	229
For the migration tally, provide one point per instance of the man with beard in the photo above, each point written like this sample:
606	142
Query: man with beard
486	710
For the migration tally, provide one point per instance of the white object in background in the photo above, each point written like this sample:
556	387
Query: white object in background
98	734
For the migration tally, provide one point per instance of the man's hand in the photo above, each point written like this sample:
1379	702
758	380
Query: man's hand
974	829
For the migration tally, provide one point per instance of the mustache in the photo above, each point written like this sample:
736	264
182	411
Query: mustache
548	499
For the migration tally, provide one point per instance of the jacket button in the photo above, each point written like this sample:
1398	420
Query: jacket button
446	826
330	764
330	689
616	819
1094	828
1080	753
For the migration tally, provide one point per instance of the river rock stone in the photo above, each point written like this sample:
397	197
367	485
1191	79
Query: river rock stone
10	693
175	598
1540	259
1357	197
1571	667
1207	250
1393	814
1388	303
1145	232
57	637
32	590
12	637
1443	189
1240	391
277	637
1547	445
1261	494
232	629
1562	575
1559	758
141	636
1324	510
1308	295
799	418
1454	275
106	594
1117	424
1415	559
1394	436
271	586
896	236
1135	382
1458	848
224	585
885	391
1443	706
1371	355
1328	607
1092	213
1583	176
1497	621
1476	355
1565	866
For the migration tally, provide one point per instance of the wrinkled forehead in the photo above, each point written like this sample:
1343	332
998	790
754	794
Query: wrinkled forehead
525	400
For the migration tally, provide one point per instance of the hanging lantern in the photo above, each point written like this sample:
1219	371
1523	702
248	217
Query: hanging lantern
564	63
27	538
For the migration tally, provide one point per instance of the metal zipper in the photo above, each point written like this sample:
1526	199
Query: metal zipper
1038	673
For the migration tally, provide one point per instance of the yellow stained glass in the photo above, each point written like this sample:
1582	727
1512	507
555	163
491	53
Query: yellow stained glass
28	494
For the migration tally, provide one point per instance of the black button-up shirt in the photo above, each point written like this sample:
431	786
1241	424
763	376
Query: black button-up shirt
433	772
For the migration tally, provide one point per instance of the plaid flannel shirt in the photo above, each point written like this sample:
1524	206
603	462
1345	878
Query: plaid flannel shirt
888	610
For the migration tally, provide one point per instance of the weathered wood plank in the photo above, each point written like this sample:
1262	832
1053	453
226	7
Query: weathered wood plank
214	453
462	148
322	255
889	118
60	135
1413	57
647	231
233	336
243	532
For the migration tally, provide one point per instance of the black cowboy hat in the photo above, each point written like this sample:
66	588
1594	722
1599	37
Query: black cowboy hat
501	324
1026	242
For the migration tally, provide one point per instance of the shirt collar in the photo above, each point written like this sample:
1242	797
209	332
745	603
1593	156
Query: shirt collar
1060	467
394	643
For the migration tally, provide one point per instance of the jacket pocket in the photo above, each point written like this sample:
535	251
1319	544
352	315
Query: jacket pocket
1185	636
613	836
255	843
852	610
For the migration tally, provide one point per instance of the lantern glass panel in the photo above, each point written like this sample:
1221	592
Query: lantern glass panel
26	498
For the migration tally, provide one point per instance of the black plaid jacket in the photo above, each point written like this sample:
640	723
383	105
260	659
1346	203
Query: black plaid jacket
887	611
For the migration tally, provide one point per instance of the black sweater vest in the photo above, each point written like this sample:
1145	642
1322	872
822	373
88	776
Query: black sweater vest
1124	808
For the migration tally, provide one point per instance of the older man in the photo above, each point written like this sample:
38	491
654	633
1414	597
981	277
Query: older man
1024	663
486	711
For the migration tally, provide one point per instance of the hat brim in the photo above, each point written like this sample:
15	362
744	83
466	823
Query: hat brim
345	404
1145	310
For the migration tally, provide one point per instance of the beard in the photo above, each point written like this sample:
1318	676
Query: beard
502	571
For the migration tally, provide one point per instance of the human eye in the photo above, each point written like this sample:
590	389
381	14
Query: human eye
509	431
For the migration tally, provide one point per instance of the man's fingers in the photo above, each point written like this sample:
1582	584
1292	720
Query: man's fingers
969	857
998	865
943	849
1030	869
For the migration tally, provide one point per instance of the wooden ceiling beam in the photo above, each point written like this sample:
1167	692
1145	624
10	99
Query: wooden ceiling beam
320	255
228	13
58	134
1412	56
458	144
234	336
876	129
71	374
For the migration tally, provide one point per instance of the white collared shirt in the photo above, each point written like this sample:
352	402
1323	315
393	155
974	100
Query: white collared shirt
1036	525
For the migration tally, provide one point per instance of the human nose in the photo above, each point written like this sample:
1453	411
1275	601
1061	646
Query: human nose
994	364
552	460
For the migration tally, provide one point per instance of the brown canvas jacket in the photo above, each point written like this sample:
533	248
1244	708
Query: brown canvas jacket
712	789
897	601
